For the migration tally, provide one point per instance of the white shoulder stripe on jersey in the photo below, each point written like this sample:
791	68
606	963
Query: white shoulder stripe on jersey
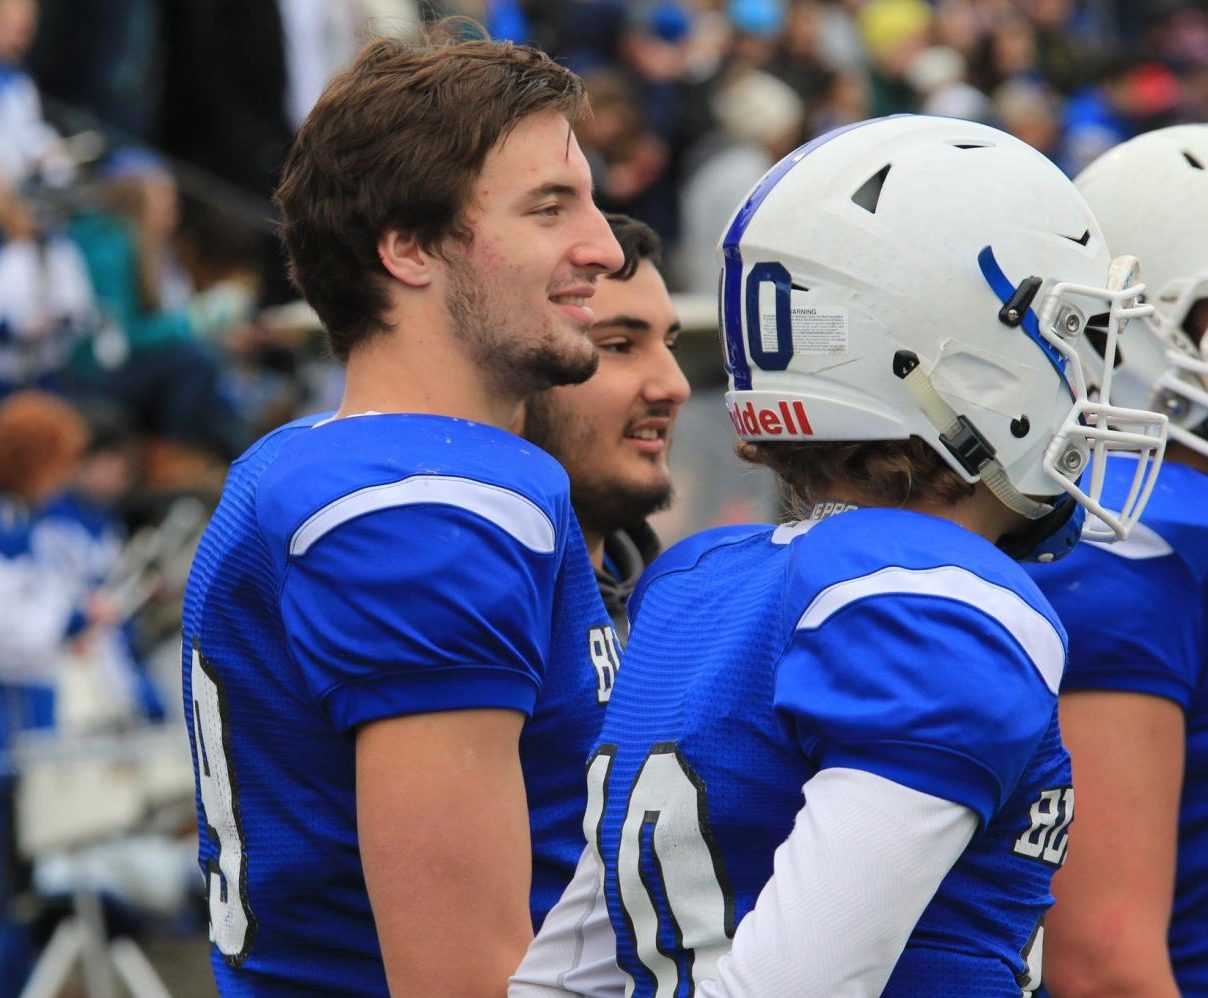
508	510
1142	542
1035	634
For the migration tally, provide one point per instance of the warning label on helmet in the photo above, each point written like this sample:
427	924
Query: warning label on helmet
814	329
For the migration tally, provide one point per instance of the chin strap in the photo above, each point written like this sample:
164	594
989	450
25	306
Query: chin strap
972	451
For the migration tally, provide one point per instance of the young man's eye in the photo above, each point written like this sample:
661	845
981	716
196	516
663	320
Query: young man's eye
549	210
673	345
614	346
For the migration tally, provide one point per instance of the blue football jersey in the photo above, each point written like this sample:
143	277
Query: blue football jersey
361	569
878	639
1136	616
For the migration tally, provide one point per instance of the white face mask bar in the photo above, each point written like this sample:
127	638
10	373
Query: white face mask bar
1093	429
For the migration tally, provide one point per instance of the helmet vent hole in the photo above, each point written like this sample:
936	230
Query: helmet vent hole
1081	240
972	145
1192	161
869	193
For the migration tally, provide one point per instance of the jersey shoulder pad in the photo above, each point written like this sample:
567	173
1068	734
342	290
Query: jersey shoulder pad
336	472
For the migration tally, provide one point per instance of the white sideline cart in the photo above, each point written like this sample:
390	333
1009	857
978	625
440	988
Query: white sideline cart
77	791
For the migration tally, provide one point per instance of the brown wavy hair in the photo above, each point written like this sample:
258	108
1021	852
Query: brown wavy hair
882	472
396	141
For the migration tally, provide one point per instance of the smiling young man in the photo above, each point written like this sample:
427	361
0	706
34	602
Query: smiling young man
612	432
388	625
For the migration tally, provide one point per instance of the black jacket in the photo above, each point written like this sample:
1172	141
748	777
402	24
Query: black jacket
626	555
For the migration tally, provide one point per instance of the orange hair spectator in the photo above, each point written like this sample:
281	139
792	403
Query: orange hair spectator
41	440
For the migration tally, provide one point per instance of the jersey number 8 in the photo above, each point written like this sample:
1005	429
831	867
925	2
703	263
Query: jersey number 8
232	925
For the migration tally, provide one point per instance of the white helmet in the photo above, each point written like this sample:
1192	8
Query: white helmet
1150	195
930	277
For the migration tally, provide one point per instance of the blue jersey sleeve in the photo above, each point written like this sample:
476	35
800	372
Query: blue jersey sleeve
417	609
1134	623
928	691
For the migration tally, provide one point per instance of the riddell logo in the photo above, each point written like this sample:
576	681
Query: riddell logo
785	418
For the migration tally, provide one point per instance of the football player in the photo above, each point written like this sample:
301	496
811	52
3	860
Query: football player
612	433
1132	905
831	763
387	626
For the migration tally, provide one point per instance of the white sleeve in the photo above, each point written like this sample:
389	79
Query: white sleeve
849	883
575	953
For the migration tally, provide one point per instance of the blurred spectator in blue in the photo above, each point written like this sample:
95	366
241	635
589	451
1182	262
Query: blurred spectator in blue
503	19
41	441
1129	96
146	357
46	300
79	535
757	27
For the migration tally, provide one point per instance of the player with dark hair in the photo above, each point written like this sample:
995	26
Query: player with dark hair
831	764
612	433
1132	904
388	624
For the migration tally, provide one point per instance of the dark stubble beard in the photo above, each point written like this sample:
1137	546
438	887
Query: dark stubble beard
513	364
601	505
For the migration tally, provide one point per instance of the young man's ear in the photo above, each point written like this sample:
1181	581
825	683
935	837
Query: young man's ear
405	259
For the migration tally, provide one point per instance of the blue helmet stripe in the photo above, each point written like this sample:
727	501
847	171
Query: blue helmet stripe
1003	289
731	296
731	287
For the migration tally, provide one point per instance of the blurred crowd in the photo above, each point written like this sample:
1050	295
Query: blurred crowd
139	273
148	332
140	139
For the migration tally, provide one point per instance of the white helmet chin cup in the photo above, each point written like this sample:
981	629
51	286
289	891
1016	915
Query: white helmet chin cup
1150	195
930	277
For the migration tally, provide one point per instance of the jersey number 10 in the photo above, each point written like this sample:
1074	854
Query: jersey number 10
669	875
